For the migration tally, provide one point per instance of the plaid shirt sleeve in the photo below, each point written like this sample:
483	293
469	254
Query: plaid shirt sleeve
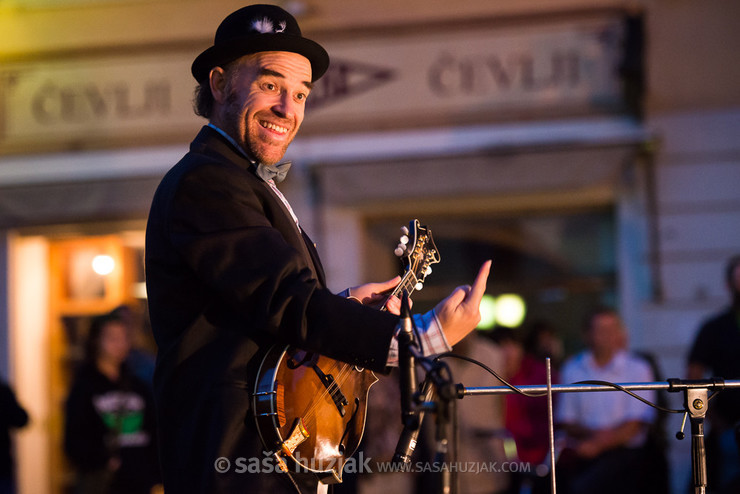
431	336
428	328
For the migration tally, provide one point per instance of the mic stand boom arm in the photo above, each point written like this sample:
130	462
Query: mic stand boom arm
696	404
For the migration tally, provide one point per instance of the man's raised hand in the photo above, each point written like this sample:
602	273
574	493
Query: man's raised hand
459	313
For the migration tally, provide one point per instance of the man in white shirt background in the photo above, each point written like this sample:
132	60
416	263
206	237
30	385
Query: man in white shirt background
606	431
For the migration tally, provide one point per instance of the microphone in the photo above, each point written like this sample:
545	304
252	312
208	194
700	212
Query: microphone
406	361
410	418
407	440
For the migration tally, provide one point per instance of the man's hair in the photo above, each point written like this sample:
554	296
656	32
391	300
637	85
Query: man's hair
532	337
95	334
203	99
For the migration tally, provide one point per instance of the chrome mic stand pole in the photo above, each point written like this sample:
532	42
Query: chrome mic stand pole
696	405
550	427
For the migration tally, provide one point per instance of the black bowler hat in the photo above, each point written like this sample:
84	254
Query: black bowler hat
257	28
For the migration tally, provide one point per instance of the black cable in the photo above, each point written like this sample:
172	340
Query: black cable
636	396
538	394
492	372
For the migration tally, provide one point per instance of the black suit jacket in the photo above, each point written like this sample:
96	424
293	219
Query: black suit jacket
229	274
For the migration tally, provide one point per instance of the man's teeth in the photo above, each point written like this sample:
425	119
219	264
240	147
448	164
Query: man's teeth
274	127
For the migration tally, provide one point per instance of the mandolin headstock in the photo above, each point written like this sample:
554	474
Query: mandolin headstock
417	252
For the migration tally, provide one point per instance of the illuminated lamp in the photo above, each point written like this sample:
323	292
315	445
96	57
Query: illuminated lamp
487	313
103	264
510	310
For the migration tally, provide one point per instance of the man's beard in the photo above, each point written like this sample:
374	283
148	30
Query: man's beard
231	120
230	123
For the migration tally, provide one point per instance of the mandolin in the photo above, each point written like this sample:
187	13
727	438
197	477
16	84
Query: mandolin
310	409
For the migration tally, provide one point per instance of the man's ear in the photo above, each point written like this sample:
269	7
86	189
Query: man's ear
217	81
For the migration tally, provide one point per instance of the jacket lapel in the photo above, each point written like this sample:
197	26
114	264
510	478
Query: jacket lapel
209	141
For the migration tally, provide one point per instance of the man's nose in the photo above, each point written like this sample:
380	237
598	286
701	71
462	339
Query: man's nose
285	106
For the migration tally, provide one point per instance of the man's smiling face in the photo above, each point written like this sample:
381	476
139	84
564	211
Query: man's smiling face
260	102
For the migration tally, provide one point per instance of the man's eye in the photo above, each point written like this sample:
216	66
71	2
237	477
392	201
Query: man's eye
301	96
270	86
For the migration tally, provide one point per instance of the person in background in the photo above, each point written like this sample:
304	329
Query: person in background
527	417
12	416
542	341
606	431
716	351
141	358
109	434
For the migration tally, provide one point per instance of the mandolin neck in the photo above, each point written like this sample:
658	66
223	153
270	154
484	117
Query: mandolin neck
407	284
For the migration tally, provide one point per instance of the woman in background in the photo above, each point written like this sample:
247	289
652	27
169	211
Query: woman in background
109	429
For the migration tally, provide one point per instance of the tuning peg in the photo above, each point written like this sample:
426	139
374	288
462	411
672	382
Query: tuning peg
405	230
399	250
419	286
404	239
428	271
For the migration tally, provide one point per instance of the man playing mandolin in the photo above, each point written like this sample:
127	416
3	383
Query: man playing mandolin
231	273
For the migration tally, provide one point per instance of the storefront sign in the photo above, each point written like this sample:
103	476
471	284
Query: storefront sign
95	103
481	74
402	80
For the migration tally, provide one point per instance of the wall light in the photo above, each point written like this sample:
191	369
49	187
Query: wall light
487	312
103	264
510	310
507	310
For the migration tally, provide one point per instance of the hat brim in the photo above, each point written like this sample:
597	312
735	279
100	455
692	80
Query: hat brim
255	43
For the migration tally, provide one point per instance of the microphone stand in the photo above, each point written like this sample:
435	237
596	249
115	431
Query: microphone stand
445	409
407	355
415	401
696	404
407	441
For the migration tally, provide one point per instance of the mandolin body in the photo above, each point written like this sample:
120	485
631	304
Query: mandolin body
310	410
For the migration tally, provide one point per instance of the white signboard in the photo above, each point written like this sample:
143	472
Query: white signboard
481	74
401	80
95	102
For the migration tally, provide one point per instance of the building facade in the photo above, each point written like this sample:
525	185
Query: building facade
589	148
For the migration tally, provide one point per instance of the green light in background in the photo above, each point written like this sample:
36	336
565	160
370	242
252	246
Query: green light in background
487	313
510	310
